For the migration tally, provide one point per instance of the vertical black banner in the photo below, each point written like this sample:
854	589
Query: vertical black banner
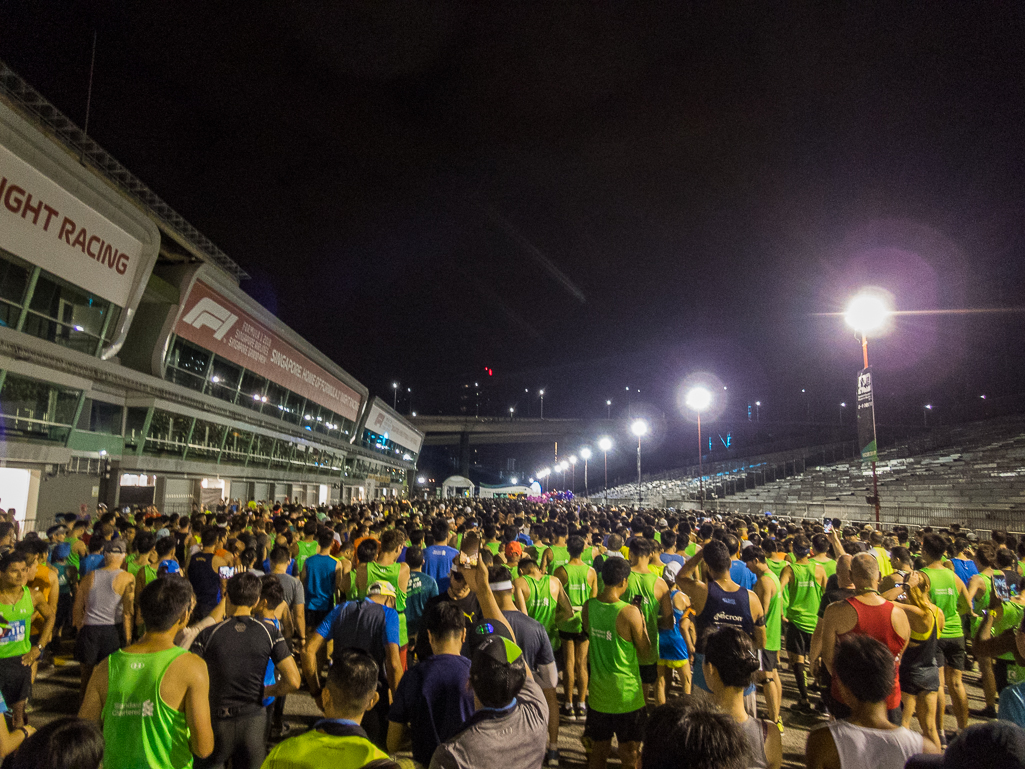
866	417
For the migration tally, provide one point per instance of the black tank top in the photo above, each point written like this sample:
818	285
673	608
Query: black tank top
205	581
723	609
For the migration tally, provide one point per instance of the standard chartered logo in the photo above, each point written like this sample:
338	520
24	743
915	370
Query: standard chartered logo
147	708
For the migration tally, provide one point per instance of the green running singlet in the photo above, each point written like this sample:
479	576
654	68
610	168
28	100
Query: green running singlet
540	605
378	573
943	593
15	641
306	549
805	595
615	685
560	557
774	617
139	728
644	586
578	591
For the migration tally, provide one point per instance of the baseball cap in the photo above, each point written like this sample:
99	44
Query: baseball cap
995	745
168	566
513	548
115	546
62	551
382	588
671	570
483	631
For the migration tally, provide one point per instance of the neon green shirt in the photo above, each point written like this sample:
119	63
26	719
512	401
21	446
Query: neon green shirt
615	685
805	595
943	593
644	586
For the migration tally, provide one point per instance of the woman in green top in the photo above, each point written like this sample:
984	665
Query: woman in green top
580	583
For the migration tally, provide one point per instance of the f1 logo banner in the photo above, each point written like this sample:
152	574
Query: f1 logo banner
866	417
219	325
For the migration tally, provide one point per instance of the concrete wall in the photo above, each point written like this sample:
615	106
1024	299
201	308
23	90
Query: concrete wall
64	494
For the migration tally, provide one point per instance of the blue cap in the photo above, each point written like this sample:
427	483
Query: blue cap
62	551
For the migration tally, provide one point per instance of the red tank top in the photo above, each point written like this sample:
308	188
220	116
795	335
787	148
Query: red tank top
875	621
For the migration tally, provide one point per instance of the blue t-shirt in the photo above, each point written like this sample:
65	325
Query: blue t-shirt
419	591
965	569
742	575
362	625
434	699
1012	704
438	564
320	582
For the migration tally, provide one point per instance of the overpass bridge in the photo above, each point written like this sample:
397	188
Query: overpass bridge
469	431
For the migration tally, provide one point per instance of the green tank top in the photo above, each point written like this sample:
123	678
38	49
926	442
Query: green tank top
828	565
615	684
943	593
540	605
1009	620
805	595
74	558
494	547
776	566
588	556
560	557
18	615
981	602
306	549
390	573
538	551
578	591
644	586
691	549
774	617
139	728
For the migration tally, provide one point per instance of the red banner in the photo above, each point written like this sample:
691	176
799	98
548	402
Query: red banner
218	325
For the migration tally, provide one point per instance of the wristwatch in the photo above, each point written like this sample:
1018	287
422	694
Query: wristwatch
24	730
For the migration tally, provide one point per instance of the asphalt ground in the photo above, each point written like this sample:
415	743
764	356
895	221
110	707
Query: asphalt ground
55	694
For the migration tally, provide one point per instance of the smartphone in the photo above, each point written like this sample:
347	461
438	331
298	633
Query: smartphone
468	560
226	572
1000	587
827	524
637	600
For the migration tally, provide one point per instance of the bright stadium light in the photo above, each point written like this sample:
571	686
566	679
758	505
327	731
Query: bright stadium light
585	453
639	427
867	313
573	460
605	444
699	399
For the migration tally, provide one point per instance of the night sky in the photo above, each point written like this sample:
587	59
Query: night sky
585	196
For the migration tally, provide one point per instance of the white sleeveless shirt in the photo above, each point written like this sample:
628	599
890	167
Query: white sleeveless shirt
859	746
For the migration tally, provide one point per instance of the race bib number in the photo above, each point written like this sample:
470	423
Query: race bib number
13	632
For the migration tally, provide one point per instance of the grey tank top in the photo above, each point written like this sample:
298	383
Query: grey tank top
103	604
754	730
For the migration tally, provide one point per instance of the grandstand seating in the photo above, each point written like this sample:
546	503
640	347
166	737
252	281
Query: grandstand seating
980	466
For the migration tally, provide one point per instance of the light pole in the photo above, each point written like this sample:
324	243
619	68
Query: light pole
543	475
542	394
395	395
409	397
925	413
573	464
511	410
585	454
639	428
866	313
608	408
699	399
526	391
605	444
758	411
842	407
563	467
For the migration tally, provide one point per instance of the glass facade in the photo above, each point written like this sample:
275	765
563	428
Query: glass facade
383	445
198	369
35	410
43	305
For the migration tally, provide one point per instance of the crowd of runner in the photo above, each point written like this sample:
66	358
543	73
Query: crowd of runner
465	632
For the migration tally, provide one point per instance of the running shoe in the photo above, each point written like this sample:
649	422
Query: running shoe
552	758
567	712
581	712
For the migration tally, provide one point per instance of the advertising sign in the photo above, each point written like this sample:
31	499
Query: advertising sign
46	225
218	325
381	422
866	417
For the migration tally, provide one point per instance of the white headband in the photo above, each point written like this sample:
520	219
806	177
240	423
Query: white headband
498	586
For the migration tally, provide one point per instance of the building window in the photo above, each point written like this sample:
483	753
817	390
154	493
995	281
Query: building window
224	380
13	282
36	410
187	365
62	313
205	443
168	434
105	418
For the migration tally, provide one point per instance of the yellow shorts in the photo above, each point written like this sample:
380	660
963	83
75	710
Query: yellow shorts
674	664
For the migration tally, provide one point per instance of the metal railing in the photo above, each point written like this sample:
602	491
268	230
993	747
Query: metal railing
75	139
